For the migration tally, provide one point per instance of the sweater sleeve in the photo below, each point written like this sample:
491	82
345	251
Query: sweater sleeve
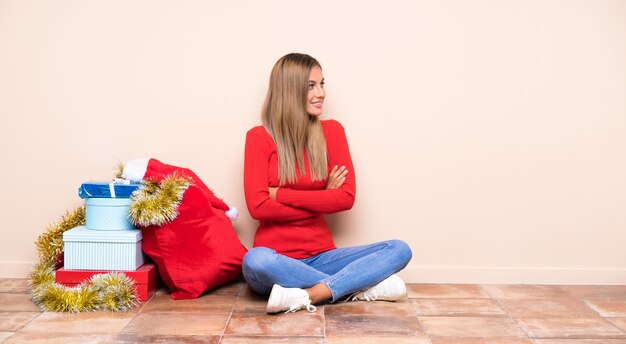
333	200
256	188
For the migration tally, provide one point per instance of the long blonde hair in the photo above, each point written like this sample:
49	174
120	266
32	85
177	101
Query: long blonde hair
292	128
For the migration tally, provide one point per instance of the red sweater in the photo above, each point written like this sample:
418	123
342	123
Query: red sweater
294	224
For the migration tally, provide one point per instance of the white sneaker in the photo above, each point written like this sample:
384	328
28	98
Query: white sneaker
390	289
289	300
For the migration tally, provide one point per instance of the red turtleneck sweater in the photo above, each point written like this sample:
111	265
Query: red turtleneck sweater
294	224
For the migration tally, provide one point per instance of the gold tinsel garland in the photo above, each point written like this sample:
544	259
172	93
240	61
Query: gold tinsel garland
152	204
112	291
119	171
156	203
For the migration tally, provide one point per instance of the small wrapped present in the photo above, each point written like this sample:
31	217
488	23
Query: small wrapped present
107	204
107	214
118	188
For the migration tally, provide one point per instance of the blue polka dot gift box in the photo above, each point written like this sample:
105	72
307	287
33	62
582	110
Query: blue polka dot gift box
107	204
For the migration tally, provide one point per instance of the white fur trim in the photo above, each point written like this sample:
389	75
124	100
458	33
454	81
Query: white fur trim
134	170
232	214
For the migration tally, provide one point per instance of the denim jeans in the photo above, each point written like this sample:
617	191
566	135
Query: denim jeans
343	270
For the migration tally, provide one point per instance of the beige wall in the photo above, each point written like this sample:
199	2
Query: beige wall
490	135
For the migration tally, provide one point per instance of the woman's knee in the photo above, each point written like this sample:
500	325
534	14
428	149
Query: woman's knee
257	266
402	250
258	259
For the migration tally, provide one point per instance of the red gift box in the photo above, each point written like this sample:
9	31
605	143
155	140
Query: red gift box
146	278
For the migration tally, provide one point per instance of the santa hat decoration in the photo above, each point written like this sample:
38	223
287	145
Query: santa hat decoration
156	202
232	214
186	229
134	170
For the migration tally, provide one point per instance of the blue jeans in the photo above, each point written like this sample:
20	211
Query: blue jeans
343	270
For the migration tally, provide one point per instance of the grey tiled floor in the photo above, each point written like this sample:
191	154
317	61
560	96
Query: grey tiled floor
431	313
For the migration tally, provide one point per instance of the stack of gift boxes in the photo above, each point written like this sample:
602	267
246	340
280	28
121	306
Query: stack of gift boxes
108	241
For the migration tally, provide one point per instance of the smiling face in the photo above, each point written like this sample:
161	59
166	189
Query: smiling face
316	94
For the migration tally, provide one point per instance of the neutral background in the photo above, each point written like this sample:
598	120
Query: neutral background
489	135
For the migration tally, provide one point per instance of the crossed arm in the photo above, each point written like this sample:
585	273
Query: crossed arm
336	177
285	204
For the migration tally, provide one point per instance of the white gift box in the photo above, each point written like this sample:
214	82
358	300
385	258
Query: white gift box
87	249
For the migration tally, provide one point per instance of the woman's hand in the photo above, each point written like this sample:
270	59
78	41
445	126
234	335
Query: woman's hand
273	190
336	177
